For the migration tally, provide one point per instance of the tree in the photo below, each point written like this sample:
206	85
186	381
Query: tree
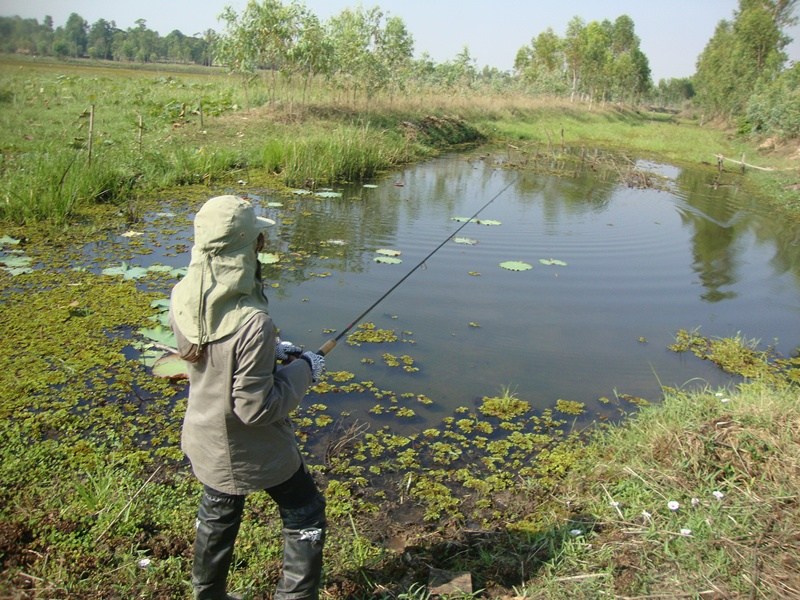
100	40
75	35
743	55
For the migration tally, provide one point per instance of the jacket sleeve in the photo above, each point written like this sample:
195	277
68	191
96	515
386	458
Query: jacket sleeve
262	394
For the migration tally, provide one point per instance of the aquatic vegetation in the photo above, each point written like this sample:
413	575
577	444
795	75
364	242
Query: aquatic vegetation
368	333
516	265
405	361
552	262
570	407
505	406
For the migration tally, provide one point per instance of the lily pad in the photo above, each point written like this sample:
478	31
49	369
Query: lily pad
389	260
553	262
268	258
388	252
302	192
462	219
8	241
465	240
275	204
370	185
160	334
515	265
126	271
328	194
488	222
170	366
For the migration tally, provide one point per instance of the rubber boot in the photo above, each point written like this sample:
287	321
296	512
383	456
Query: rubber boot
302	551
218	520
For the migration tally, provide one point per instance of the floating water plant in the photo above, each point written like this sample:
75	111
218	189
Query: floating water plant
491	222
506	406
16	264
370	185
465	240
388	252
552	262
570	407
515	265
328	194
6	240
388	260
170	366
368	333
126	271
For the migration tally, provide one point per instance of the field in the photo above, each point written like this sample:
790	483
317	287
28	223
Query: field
96	502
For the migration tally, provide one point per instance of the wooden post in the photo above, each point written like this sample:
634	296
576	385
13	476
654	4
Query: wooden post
91	131
139	133
201	115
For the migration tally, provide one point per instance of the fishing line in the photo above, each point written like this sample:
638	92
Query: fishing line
331	344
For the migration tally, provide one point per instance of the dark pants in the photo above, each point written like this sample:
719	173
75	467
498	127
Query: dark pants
302	511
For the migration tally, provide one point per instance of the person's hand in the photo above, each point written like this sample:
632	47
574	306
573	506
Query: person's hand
316	362
286	350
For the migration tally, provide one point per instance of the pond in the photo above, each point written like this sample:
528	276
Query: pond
617	271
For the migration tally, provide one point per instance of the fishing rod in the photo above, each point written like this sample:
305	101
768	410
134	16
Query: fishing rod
331	344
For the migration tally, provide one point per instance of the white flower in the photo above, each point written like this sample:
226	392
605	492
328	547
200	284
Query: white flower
724	400
718	495
673	505
695	501
575	532
144	563
614	504
686	532
647	516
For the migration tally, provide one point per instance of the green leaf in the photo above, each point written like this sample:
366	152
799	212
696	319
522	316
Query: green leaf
553	262
465	240
388	252
302	192
370	185
328	194
8	241
126	271
268	258
160	334
170	366
488	222
514	265
388	260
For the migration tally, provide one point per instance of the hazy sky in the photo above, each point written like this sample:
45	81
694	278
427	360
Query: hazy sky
672	32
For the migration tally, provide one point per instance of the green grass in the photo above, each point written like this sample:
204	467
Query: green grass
539	515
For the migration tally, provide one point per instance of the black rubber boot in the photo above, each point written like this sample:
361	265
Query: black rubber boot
218	520
303	539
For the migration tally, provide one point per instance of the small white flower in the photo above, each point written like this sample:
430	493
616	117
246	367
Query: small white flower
144	563
647	516
614	504
695	501
673	505
718	495
725	400
575	532
686	532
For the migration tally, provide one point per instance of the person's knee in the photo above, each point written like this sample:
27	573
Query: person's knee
310	515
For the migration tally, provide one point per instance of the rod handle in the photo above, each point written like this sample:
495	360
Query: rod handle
327	347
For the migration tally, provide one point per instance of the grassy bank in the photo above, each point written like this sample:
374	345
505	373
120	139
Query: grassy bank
96	500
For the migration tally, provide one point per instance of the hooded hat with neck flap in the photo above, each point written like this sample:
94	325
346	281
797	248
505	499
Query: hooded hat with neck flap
221	289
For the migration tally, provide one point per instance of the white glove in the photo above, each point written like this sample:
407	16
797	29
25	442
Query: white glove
316	362
284	350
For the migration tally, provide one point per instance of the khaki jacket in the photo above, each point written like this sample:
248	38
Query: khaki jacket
236	431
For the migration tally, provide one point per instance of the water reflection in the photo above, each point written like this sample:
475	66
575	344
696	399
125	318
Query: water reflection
640	264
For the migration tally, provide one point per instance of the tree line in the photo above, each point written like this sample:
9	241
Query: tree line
741	75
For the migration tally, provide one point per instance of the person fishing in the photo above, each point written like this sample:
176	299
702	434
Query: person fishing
243	383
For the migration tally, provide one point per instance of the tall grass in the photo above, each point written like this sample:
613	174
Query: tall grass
696	497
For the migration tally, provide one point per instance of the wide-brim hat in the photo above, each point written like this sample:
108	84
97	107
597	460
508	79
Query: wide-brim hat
227	224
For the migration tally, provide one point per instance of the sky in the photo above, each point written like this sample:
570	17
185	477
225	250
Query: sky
672	33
